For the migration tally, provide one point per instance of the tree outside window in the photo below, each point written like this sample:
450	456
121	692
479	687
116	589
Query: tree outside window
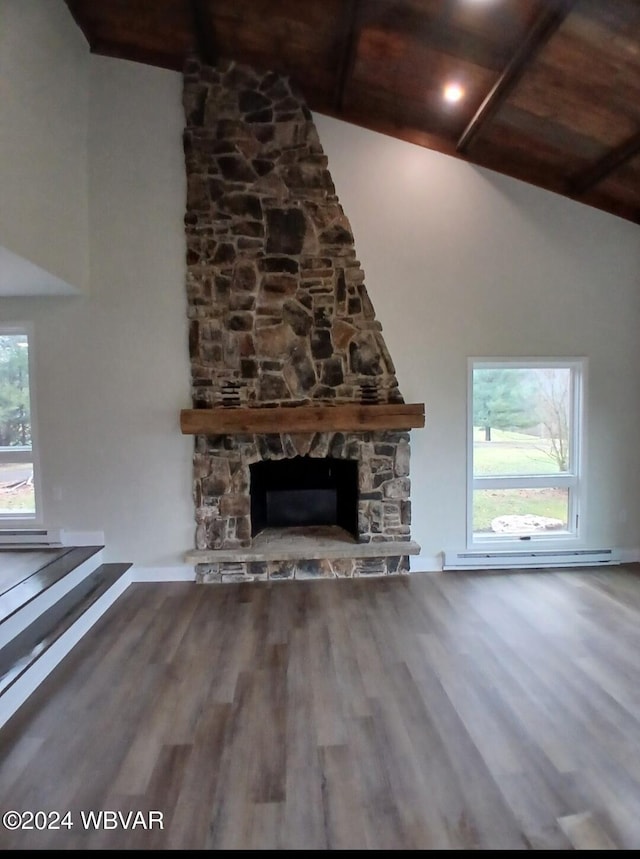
17	485
525	432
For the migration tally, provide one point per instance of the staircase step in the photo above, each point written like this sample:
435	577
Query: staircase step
33	653
26	647
38	582
18	563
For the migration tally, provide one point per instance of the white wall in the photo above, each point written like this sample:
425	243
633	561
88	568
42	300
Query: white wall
462	262
458	261
112	368
43	154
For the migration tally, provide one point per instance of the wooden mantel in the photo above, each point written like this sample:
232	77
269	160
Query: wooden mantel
346	417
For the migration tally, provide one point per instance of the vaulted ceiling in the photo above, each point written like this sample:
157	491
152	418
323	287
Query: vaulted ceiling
548	91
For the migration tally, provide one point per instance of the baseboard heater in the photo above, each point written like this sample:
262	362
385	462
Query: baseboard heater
519	559
29	537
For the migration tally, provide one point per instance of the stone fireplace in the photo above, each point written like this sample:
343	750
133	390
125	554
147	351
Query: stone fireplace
302	447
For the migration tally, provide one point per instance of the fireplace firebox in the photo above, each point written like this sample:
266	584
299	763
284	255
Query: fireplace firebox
304	491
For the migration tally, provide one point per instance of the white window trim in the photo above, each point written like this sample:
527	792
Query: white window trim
574	480
14	455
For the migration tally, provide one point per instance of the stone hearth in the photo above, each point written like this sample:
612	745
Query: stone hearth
305	553
279	315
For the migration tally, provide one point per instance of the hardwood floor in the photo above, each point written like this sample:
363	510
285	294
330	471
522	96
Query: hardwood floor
437	711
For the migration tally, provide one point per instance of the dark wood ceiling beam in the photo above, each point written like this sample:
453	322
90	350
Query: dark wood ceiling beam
548	21
348	58
204	32
607	164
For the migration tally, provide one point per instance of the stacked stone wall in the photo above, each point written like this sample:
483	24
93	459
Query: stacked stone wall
278	309
278	313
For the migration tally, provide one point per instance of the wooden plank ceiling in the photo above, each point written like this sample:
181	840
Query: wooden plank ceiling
550	89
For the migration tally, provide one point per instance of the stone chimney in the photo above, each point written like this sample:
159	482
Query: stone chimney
279	315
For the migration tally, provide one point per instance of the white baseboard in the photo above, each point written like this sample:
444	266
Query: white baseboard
51	537
81	538
629	556
181	573
28	537
426	564
536	557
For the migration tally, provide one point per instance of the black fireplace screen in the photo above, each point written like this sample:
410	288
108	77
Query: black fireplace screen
304	491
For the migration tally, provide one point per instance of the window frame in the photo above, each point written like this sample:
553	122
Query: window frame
9	521
572	480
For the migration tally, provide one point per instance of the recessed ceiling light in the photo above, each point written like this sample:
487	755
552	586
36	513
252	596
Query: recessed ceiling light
453	92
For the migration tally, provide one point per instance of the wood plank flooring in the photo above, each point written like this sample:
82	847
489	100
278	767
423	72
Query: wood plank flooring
436	711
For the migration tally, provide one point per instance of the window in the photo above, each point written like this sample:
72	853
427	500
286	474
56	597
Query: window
525	433
19	493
